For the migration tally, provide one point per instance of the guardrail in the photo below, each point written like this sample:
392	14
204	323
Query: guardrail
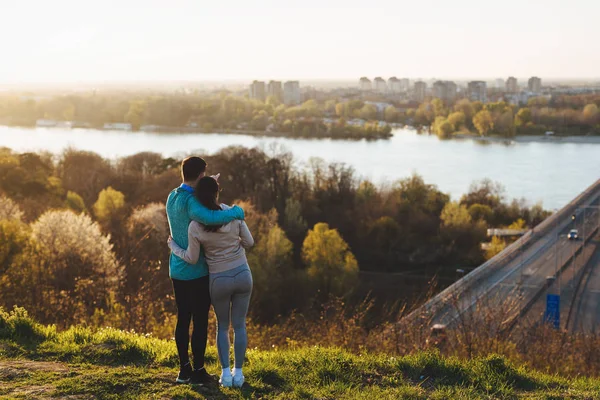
525	309
506	255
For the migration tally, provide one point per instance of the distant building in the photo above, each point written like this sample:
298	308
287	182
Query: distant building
257	90
511	85
311	93
379	106
405	84
118	126
520	98
46	123
274	89
500	84
291	93
380	85
420	91
394	85
445	90
477	91
534	84
365	84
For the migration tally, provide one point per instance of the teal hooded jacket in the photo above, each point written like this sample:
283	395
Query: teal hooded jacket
182	208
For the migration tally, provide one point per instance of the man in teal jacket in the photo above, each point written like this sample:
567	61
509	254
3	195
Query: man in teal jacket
190	282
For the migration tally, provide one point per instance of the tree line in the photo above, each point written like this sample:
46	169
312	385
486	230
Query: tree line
224	111
221	111
83	238
566	115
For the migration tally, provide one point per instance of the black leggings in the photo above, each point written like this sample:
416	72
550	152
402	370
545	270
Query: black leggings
193	301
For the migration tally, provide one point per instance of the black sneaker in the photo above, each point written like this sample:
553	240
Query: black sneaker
185	374
201	377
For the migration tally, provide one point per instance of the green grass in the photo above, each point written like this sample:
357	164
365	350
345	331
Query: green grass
39	362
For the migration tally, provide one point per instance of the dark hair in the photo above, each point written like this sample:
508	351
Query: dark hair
192	168
207	193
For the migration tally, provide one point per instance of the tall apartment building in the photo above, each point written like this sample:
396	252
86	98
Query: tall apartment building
274	89
291	93
257	90
405	84
380	85
365	84
534	84
420	91
477	91
511	85
500	84
445	90
394	85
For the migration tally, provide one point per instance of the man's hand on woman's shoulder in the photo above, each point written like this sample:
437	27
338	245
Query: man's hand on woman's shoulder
238	212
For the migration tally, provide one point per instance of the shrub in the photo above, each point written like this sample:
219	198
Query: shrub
9	209
73	263
74	202
109	203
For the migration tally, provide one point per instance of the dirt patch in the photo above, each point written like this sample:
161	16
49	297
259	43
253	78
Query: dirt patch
15	370
39	392
25	367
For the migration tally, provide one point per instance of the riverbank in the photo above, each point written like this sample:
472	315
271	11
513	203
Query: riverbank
531	139
198	131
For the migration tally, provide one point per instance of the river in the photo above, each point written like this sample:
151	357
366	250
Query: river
553	173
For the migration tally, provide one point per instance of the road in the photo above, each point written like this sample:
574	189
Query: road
514	285
586	306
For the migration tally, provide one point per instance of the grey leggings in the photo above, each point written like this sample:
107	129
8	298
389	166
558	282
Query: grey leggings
230	295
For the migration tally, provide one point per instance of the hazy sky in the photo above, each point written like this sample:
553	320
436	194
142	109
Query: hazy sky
85	40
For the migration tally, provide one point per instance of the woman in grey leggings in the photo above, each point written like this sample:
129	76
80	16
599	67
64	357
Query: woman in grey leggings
229	275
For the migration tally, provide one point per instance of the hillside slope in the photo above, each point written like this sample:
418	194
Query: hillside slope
37	362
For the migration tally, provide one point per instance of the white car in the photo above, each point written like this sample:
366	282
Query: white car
573	234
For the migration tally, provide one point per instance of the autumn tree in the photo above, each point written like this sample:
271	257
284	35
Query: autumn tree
504	124
391	114
293	221
109	203
442	127
523	117
368	112
466	107
278	287
85	173
69	265
330	262
14	237
9	209
74	202
460	234
591	114
480	212
457	119
439	109
135	114
494	247
483	122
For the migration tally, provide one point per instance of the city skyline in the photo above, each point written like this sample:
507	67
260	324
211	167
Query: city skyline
68	41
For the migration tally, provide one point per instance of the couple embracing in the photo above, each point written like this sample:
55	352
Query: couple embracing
208	265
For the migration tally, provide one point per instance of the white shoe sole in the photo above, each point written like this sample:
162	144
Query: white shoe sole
226	382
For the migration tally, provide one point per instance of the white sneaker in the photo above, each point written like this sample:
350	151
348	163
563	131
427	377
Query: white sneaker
226	381
238	380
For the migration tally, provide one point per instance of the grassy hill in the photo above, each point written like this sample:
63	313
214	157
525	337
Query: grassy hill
37	361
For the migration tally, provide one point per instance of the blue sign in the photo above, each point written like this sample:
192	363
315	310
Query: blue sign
552	314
